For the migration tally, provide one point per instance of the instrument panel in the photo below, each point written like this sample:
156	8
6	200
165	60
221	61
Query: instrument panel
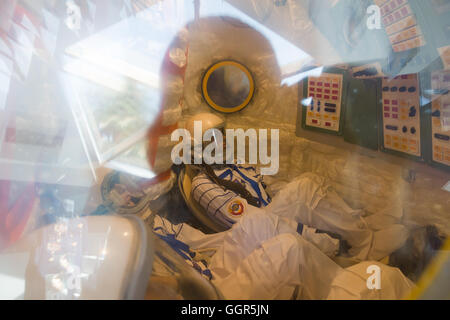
325	102
440	117
401	114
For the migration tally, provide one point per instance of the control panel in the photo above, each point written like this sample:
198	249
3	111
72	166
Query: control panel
401	114
324	102
415	29
401	25
440	117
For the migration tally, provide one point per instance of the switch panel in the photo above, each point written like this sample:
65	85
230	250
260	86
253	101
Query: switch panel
401	114
324	96
440	117
401	25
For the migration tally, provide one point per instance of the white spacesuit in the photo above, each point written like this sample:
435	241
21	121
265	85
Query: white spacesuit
305	203
228	208
262	257
272	249
311	201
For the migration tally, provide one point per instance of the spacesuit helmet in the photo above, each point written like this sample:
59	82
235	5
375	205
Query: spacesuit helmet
208	121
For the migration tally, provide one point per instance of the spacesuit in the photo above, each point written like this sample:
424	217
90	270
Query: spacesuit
262	257
305	203
227	207
281	247
310	200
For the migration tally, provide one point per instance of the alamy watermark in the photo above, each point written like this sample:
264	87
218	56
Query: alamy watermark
374	19
193	150
73	19
374	281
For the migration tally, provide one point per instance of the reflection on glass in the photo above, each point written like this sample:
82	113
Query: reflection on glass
116	115
124	193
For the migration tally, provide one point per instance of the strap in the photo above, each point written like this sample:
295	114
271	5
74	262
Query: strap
233	186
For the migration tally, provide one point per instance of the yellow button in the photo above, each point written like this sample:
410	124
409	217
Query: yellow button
436	122
388	141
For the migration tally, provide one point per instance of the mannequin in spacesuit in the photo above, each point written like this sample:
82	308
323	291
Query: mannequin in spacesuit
308	205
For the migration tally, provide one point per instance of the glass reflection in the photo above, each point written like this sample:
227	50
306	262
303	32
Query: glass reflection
81	82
